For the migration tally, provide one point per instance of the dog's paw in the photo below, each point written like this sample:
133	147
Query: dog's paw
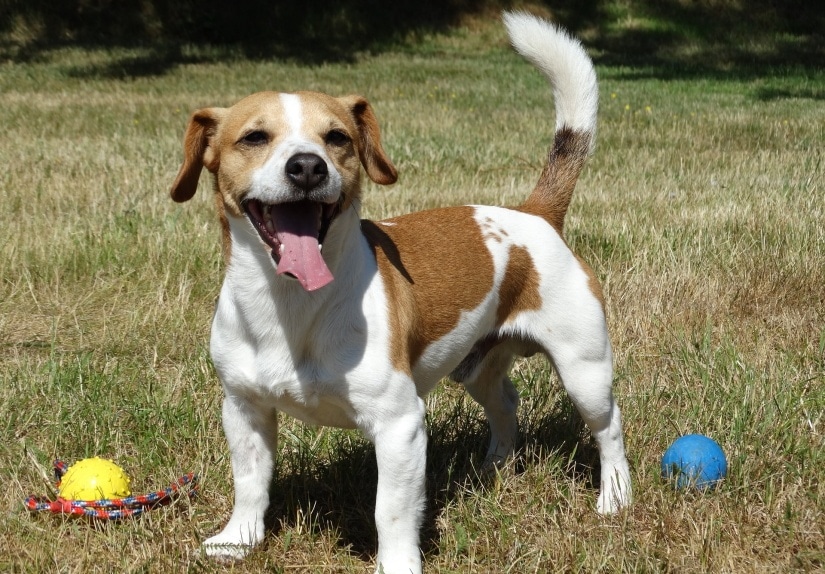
224	550
616	494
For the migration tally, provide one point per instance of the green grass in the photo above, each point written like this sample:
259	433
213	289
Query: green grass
701	211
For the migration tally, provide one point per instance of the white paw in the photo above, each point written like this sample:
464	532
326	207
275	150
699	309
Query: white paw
226	549
616	494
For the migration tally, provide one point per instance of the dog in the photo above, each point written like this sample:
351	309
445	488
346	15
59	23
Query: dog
349	323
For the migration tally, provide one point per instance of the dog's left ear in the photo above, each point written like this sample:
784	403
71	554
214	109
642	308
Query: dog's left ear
197	152
375	161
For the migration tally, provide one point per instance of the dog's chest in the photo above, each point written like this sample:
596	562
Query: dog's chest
307	360
269	365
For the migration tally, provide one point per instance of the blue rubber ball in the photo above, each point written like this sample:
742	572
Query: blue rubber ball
694	460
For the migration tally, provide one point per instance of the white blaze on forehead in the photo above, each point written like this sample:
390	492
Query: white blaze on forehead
292	112
269	182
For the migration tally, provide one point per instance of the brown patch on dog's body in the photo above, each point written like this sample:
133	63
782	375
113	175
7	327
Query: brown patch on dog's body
519	292
520	289
430	285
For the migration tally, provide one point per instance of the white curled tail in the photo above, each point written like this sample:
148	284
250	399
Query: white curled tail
563	61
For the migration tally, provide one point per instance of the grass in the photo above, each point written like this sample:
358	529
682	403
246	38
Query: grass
701	211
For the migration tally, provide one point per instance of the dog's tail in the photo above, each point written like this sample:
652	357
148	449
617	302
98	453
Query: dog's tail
564	62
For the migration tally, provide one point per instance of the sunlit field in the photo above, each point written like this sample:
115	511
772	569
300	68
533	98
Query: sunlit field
701	211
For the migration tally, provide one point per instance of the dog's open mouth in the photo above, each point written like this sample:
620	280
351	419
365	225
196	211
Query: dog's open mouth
295	231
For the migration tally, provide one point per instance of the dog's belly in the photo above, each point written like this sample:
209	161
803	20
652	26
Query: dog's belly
317	409
313	396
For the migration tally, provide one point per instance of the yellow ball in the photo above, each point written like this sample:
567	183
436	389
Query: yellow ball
94	479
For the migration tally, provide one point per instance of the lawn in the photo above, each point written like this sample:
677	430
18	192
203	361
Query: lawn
701	211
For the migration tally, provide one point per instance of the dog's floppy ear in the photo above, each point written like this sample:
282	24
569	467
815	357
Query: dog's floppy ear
197	152
375	161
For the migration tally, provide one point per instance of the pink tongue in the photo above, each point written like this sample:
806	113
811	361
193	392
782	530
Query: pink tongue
296	226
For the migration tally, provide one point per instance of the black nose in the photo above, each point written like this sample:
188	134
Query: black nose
306	170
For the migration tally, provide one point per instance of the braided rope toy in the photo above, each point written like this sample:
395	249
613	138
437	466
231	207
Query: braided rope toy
110	508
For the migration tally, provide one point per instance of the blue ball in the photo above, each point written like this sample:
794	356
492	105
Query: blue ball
694	460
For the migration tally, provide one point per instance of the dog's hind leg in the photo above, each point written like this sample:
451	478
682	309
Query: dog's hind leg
252	434
579	348
487	382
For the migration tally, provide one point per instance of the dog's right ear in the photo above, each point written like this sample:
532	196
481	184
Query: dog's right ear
198	151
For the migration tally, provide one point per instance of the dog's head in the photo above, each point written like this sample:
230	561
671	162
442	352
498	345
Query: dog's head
289	163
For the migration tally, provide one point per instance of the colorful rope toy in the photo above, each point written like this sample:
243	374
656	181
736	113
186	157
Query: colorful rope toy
79	484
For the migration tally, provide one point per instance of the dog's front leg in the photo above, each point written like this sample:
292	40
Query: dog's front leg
252	435
401	452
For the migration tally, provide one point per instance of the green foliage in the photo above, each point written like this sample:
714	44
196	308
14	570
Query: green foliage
673	34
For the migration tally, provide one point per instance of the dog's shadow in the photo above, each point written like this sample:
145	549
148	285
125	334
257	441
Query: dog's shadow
337	491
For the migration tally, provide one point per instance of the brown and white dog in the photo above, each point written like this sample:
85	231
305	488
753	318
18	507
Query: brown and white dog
355	335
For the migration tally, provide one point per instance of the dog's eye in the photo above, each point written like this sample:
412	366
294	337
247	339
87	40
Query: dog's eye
256	137
337	138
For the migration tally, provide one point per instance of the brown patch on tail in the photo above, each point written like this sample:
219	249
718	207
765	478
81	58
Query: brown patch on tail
551	196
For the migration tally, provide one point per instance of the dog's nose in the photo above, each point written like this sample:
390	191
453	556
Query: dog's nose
306	170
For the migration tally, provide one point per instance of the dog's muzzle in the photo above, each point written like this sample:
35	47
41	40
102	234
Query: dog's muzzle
295	230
